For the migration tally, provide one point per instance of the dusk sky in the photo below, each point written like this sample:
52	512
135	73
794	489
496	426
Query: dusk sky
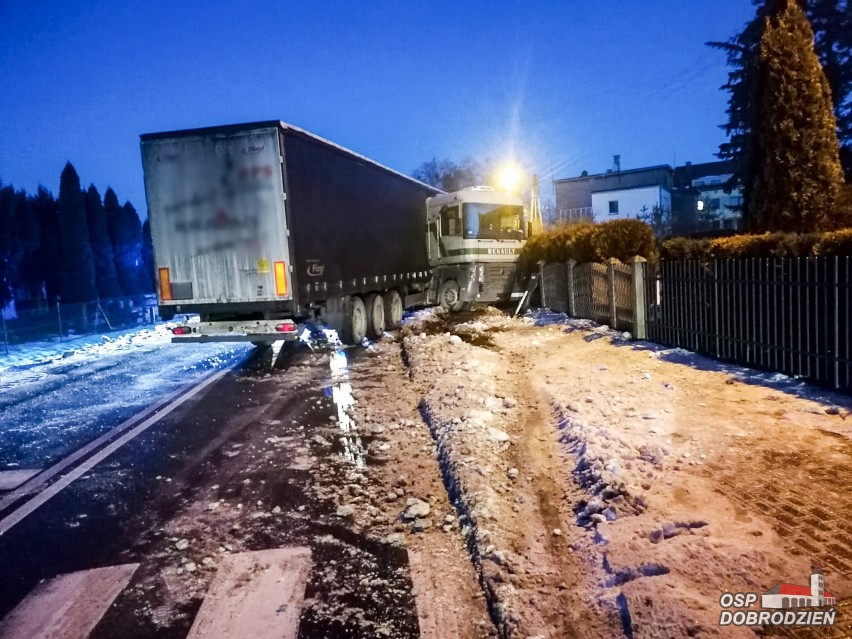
563	83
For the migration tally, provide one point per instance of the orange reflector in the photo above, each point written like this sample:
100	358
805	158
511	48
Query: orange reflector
165	285
280	278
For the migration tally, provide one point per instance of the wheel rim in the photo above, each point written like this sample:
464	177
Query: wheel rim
451	294
396	310
359	323
378	316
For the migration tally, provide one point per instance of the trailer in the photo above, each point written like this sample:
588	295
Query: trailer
261	227
258	227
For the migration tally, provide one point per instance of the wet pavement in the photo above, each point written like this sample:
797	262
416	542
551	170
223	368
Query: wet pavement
244	466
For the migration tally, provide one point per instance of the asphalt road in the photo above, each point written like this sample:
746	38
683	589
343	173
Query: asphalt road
246	442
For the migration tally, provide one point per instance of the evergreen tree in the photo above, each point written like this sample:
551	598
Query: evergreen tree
125	229
793	168
26	280
77	263
149	278
832	24
48	261
9	246
106	278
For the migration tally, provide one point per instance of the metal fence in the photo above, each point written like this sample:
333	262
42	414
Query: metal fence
600	292
787	315
60	322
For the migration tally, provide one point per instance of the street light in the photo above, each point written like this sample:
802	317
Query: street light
509	177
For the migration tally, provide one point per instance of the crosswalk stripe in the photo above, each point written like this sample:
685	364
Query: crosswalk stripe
68	606
255	594
437	615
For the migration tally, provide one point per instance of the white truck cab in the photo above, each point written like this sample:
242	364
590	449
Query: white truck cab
473	238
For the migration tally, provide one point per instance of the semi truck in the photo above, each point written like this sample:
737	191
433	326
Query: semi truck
258	228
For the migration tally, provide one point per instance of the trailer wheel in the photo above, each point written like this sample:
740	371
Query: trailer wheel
375	315
450	296
393	309
356	321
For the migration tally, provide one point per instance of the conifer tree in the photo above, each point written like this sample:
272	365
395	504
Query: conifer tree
125	230
77	263
832	24
106	279
149	279
48	259
793	172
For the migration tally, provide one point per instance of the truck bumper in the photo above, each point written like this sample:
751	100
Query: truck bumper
254	339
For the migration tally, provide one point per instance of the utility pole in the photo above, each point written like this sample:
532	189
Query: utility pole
536	222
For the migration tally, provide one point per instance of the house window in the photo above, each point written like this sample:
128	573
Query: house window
714	203
613	207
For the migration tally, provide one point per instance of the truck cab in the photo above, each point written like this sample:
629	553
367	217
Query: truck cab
473	238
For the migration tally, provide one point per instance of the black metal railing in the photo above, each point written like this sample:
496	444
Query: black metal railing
793	316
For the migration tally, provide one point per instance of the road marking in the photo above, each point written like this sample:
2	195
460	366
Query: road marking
42	478
68	606
11	479
29	507
255	594
437	607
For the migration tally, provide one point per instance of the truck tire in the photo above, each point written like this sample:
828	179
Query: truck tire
393	309
449	296
355	329
375	315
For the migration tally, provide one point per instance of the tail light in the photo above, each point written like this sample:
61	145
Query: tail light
286	327
181	330
280	278
165	284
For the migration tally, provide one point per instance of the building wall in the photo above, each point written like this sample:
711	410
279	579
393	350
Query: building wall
630	202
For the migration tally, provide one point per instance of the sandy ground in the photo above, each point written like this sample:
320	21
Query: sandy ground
477	476
605	490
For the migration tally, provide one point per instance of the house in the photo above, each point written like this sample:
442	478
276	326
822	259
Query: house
688	198
704	198
791	596
614	195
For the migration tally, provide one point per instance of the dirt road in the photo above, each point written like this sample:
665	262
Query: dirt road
471	476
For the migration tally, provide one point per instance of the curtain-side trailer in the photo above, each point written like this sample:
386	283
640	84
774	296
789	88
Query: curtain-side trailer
259	226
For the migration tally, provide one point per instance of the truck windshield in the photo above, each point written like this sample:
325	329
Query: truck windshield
493	221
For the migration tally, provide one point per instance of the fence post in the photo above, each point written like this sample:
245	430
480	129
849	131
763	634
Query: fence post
5	335
836	323
637	297
59	316
542	287
610	292
572	298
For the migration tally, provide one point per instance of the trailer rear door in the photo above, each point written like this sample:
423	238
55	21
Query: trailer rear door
217	208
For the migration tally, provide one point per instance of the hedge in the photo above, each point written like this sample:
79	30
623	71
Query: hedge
621	239
760	246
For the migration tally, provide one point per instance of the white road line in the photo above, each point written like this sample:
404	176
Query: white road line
68	606
29	507
49	473
255	594
11	479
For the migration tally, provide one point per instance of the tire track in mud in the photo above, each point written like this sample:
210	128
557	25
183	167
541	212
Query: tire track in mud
537	552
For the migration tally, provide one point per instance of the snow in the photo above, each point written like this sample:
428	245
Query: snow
57	396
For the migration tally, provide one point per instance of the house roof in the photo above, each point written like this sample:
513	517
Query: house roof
794	590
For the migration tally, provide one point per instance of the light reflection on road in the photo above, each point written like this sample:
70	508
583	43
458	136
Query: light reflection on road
341	395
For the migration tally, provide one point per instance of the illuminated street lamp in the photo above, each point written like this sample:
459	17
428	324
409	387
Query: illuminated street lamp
509	177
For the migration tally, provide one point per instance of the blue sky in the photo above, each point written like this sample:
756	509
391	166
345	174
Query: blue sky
562	83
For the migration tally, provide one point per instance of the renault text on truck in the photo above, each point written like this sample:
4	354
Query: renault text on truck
259	227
